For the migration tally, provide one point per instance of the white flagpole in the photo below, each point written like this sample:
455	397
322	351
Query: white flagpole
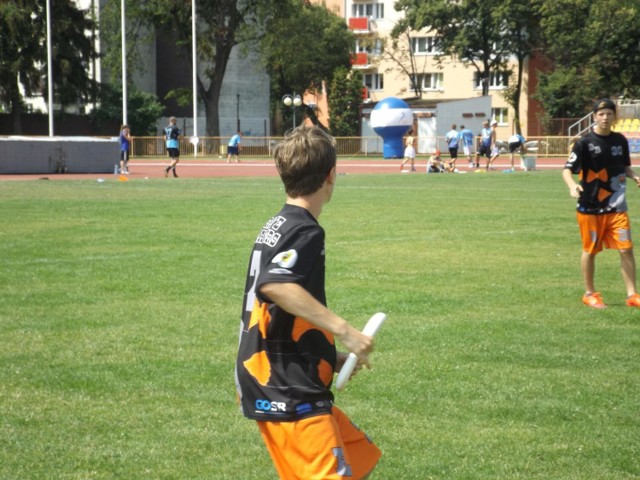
49	68
194	74
124	63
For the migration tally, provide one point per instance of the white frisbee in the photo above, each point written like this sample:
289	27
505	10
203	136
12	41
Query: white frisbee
370	329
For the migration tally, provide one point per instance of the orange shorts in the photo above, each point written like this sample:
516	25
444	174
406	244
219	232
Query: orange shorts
611	229
321	447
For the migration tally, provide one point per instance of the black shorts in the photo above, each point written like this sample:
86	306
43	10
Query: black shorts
124	155
232	150
484	150
173	152
453	152
513	146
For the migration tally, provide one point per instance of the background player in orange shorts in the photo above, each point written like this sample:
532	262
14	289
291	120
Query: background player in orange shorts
287	355
601	158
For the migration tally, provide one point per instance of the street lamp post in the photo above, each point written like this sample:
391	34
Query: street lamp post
292	101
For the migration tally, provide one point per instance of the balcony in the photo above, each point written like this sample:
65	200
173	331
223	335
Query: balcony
359	24
360	60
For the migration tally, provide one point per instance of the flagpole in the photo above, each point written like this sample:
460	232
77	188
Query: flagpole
124	62
194	75
49	68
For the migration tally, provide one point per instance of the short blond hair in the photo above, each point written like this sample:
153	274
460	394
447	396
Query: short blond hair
304	159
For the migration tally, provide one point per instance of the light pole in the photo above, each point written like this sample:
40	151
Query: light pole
292	101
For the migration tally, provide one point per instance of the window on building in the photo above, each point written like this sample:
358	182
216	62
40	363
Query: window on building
373	81
497	80
429	81
371	10
372	46
425	45
501	115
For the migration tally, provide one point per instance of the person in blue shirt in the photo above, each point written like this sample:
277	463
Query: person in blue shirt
467	137
487	144
172	136
233	147
125	148
453	139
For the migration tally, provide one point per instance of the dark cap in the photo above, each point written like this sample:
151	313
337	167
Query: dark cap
604	103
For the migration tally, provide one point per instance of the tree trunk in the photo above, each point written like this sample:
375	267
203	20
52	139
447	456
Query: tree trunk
211	96
517	94
16	107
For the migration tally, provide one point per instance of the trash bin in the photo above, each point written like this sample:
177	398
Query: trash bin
529	163
223	150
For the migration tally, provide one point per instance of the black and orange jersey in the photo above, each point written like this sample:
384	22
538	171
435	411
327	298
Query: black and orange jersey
601	162
285	365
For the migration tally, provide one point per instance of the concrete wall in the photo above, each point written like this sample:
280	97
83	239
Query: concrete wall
58	155
470	113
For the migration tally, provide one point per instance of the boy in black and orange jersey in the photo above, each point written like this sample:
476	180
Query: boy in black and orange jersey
287	355
601	159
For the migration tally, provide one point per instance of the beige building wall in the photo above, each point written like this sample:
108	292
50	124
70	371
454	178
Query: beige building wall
386	68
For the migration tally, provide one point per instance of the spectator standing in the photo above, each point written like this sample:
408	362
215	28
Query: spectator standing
467	143
409	151
484	143
172	136
234	147
125	148
453	142
494	144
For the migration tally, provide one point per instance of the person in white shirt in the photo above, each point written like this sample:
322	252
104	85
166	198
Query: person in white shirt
516	142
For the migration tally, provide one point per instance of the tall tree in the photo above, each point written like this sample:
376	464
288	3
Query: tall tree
522	37
277	28
221	26
345	96
327	42
23	54
470	30
595	50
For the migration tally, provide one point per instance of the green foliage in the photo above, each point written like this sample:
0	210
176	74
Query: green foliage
20	52
327	45
345	96
121	304
221	26
143	110
597	56
23	53
565	92
469	30
139	32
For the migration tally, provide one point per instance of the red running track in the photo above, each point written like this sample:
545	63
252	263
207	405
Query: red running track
210	168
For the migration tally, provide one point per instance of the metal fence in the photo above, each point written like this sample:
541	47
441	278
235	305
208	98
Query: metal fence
366	147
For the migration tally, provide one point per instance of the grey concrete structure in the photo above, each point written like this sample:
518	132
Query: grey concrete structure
20	155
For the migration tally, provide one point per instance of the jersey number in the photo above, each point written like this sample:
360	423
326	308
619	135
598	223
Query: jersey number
254	271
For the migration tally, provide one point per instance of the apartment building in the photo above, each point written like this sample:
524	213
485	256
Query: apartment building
388	72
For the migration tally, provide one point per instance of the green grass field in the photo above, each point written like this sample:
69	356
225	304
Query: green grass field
120	308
